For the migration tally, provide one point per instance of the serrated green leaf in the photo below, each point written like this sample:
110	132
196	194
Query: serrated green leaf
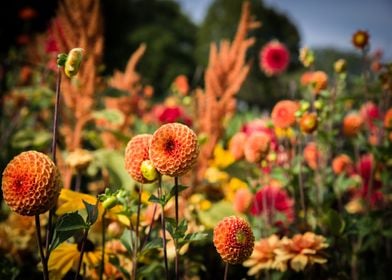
155	199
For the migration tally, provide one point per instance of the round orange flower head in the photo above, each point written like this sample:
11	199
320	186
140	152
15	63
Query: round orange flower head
174	149
342	163
236	145
136	153
308	122
352	123
360	39
283	113
31	183
312	155
388	119
233	239
257	146
319	81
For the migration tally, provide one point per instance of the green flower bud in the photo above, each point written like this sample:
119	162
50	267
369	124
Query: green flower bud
72	64
109	202
148	170
318	104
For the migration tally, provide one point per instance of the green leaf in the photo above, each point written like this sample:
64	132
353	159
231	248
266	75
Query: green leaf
155	199
333	222
126	240
67	225
92	212
153	244
217	212
173	191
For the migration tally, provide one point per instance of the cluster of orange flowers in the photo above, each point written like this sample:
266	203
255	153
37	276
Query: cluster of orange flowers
298	253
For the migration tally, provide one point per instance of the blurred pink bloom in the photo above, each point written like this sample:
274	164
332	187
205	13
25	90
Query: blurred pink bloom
274	58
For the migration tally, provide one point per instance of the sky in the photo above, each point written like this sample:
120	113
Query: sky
326	23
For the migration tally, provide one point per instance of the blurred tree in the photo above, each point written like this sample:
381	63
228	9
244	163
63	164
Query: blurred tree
220	22
168	33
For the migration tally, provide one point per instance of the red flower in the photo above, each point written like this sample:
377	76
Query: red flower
370	113
171	114
270	200
274	58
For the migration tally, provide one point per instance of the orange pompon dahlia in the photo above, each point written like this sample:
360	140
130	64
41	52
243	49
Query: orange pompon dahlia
283	113
174	149
388	119
360	39
302	250
274	58
31	183
308	122
257	146
352	124
236	145
135	153
319	81
312	155
264	256
233	239
342	164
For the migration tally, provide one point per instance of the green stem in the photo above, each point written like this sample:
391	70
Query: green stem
177	258
102	267
163	228
81	253
136	245
226	271
41	249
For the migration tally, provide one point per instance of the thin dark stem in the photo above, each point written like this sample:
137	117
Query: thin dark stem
41	249
177	258
103	246
136	245
226	271
300	179
150	229
78	182
163	228
81	253
49	230
56	114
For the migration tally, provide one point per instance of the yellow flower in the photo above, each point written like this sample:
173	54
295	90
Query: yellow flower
215	176
231	188
264	256
222	157
66	256
284	132
302	250
71	201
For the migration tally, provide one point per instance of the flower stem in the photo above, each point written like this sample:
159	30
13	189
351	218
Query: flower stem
163	228
81	253
226	271
136	245
177	260
102	267
41	249
49	229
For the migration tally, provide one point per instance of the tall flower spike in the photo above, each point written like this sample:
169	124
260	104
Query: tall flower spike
174	149
31	183
233	239
136	153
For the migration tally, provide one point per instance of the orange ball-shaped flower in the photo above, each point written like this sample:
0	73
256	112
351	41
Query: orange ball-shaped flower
308	122
352	124
31	183
174	149
360	39
233	239
257	146
236	145
342	164
283	113
319	81
135	153
388	119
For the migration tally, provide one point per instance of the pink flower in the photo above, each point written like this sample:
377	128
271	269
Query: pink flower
260	125
272	199
171	114
274	58
370	113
